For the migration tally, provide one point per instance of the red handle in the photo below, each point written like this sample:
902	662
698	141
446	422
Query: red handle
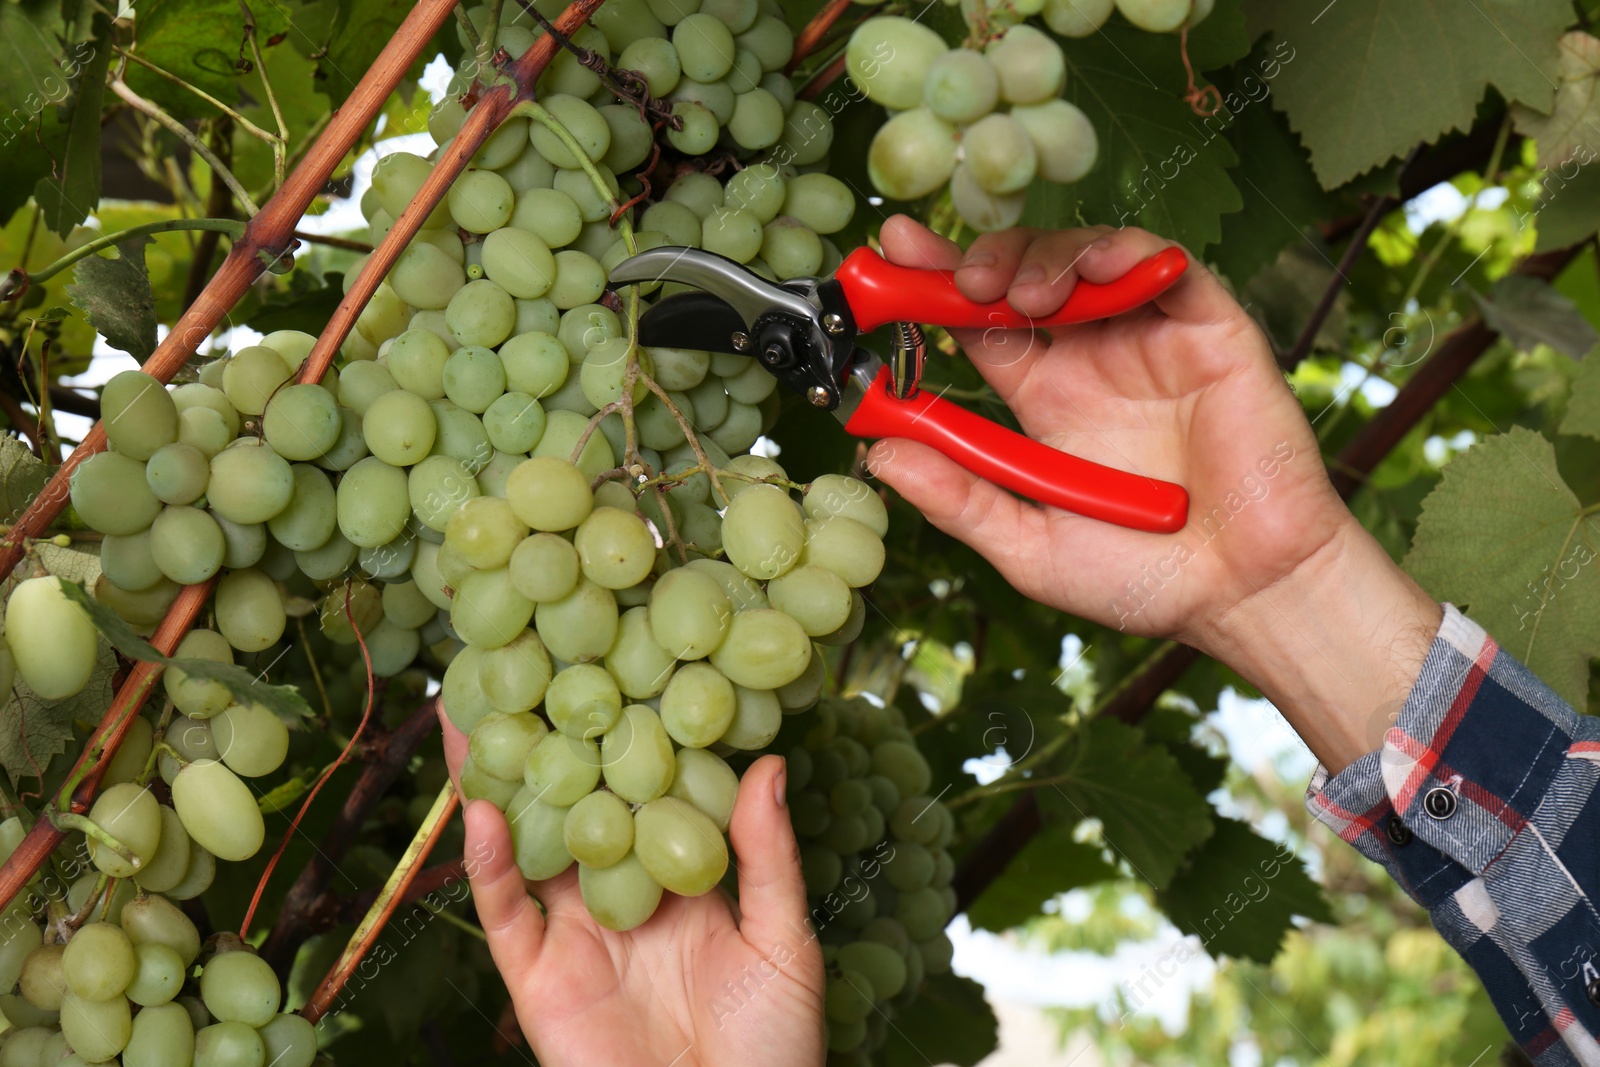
1020	463
879	292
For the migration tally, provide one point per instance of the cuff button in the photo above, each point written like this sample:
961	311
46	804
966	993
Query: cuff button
1592	991
1397	831
1439	802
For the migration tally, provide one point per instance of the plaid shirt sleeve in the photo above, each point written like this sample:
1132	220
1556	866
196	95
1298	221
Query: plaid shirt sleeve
1483	805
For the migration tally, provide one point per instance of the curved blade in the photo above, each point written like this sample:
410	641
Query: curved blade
694	320
747	293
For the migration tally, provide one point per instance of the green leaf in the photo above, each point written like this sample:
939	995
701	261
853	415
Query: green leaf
1583	406
948	1023
1238	891
203	43
34	73
71	193
1506	538
1371	78
1568	207
33	730
1571	123
1048	865
360	30
246	688
1529	311
1160	167
305	305
116	298
1149	811
22	475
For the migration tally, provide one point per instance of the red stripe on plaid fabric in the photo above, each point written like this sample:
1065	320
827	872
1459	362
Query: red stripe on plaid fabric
1540	1042
1353	825
1443	772
1583	747
1429	754
1564	1018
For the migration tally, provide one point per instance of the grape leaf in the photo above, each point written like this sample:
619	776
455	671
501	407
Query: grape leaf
68	195
22	475
1583	406
1505	538
1050	864
1238	891
948	1023
360	30
116	298
1149	811
34	730
30	83
1529	311
1371	78
306	303
1571	124
1568	206
202	42
284	701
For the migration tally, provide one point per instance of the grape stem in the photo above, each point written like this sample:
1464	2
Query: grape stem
70	820
72	922
594	423
16	283
219	170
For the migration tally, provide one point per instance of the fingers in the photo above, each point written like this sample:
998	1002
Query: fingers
1048	270
507	914
908	243
991	262
772	892
455	746
1196	297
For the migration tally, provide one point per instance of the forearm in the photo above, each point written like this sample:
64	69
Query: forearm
1336	646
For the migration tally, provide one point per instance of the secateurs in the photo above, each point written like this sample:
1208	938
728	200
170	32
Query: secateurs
804	332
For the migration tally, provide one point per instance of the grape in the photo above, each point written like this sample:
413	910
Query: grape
731	232
705	780
621	896
474	376
792	250
912	154
560	770
482	313
500	743
889	57
1063	137
689	613
820	201
43	983
240	987
129	813
228	1044
698	705
519	261
177	473
704	45
170	863
757	120
126	765
161	1035
763	650
598	830
1157	16
249	482
847	999
636	756
481	201
250	377
641	667
980	209
52	642
962	86
251	739
1031	66
586	125
110	494
99	961
816	598
1076	18
763	532
846	547
460	437
399	428
535	364
154	919
289	1041
96	1029
549	214
580	626
301	421
741	591
756	719
679	846
537	834
425	276
807	133
249	610
999	154
615	548
218	810
487	610
592	208
758	189
204	430
395	181
158	976
583	701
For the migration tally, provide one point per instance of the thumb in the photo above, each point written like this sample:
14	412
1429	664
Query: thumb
506	912
455	746
772	892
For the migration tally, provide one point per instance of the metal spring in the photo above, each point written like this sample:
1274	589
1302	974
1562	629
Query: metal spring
910	348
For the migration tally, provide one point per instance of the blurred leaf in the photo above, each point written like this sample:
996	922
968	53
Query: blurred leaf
1048	865
34	71
1568	208
33	730
360	30
203	43
116	298
1505	538
1371	78
1571	121
1529	311
948	1023
1173	727
1583	407
306	304
71	194
1238	891
22	475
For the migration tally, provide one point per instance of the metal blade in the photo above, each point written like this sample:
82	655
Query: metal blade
746	292
695	320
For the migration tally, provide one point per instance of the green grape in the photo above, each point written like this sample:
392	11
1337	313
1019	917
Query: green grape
912	821
129	813
461	437
161	1035
845	834
710	400
1031	66
399	428
96	1029
487	610
814	597
903	765
999	154
689	613
819	201
385	315
1156	16
962	86
479	784
251	739
838	494
757	119
579	279
519	261
251	376
425	276
912	154
481	313
641	667
731	232
200	395
593	206
155	919
125	766
656	60
246	542
792	250
880	965
936	953
615	548
228	1044
544	567
803	692
461	690
240	987
349	448
697	191
27	1046
99	961
158	976
763	532
249	610
191	739
619	897
586	125
821	867
704	45
740	429
923	913
778	84
395	181
404	604
392	649
390	561
980	209
679	846
535	364
110	494
636	756
416	360
500	743
249	482
716	97
705	780
598	830
847	999
605	370
142	610
481	201
889	57
484	531
289	1040
1063	136
845	547
53	644
373	503
301	422
583	701
515	677
537	834
178	473
587	326
807	133
743	593
204	430
42	982
329	560
170	863
549	494
560	770
311	515
474	377
756	720
218	810
770	39
763	650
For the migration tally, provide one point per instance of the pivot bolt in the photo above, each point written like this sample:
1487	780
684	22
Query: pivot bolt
741	341
833	323
819	396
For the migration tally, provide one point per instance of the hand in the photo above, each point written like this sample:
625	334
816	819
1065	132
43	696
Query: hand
700	983
1186	390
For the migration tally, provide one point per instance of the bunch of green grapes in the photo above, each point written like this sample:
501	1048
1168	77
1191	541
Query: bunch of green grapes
1080	18
605	680
873	847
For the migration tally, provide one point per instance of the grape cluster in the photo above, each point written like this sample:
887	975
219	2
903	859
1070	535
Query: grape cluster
121	986
873	848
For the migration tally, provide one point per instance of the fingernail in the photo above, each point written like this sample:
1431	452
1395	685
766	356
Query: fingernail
977	259
1101	244
779	788
1029	275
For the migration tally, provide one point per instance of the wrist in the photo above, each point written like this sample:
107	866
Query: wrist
1336	645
